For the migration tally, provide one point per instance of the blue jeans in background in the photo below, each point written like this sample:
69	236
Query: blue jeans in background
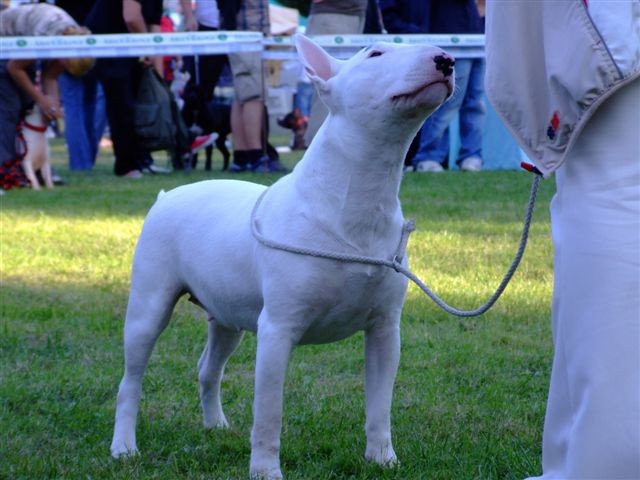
84	118
467	99
303	97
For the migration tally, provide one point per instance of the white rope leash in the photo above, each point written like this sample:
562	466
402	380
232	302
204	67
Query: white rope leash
396	262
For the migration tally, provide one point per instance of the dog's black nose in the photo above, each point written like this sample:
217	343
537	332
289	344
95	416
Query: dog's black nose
444	64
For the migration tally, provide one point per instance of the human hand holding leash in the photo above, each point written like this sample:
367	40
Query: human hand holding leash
50	107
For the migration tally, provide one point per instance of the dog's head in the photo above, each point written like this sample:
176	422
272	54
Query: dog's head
384	83
293	120
194	104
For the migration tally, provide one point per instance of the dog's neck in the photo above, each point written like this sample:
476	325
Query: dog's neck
352	179
350	162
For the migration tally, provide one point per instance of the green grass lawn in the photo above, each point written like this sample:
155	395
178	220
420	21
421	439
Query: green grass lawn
469	397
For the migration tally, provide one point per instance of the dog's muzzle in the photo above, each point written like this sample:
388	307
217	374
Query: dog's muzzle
444	64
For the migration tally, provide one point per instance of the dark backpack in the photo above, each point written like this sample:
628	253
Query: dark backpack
157	119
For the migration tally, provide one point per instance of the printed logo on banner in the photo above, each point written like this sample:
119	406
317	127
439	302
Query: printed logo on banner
339	40
158	39
223	37
397	39
91	41
455	40
21	43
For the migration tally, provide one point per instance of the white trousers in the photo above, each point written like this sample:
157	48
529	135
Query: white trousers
592	424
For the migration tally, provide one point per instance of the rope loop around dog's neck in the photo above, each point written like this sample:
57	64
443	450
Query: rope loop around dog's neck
396	262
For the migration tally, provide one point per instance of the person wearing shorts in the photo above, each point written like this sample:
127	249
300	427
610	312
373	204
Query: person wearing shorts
247	112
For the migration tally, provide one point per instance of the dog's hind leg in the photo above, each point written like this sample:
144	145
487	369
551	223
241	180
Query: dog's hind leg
47	175
208	154
226	154
221	344
148	314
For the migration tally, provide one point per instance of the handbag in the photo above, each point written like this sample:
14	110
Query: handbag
154	121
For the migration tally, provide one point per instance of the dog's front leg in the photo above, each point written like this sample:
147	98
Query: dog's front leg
382	355
47	175
274	348
27	166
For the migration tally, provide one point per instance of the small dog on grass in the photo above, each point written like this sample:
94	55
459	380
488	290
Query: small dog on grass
341	197
297	122
216	117
37	154
208	117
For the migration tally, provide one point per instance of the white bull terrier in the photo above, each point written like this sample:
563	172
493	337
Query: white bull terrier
341	197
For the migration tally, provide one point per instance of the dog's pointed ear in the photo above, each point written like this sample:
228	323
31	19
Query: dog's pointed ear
319	65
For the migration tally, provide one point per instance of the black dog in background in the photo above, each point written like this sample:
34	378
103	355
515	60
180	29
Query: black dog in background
213	116
216	117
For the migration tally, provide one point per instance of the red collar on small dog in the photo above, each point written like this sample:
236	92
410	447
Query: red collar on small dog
40	129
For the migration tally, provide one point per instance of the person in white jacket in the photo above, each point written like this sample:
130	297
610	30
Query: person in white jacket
565	77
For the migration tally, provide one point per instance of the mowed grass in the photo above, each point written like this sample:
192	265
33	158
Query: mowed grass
470	393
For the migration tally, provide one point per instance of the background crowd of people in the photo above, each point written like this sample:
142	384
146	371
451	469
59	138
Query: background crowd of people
101	97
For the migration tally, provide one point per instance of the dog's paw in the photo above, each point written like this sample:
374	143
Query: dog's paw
264	464
123	451
382	455
265	474
219	422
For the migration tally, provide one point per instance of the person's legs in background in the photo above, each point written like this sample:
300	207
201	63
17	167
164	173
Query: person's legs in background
247	111
9	116
471	119
303	97
210	69
433	150
247	126
11	174
84	118
119	92
97	111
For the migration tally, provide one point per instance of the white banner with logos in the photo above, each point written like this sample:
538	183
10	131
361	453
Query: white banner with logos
130	45
217	42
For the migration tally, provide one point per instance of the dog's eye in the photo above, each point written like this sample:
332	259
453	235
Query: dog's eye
375	53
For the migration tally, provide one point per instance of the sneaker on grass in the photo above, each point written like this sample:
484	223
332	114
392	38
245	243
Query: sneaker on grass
429	166
153	168
203	141
134	174
471	164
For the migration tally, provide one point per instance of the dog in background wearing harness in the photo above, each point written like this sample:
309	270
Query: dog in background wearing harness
341	197
207	117
37	155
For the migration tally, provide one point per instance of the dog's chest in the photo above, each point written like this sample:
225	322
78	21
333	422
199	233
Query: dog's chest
36	146
354	298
